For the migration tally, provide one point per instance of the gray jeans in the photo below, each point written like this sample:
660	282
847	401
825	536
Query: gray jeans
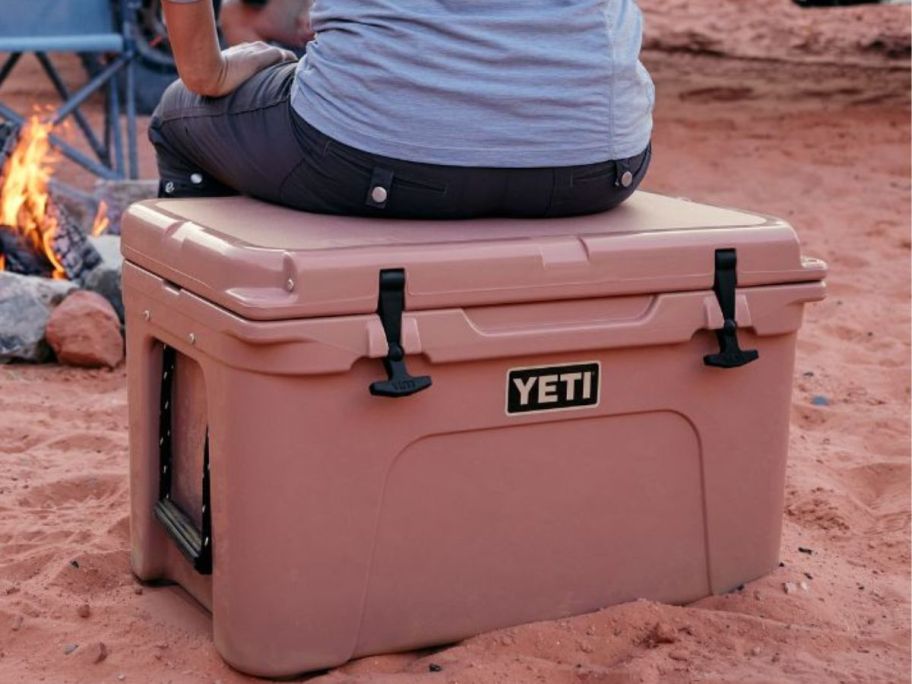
252	142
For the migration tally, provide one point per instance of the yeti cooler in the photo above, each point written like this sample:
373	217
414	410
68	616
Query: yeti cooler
353	436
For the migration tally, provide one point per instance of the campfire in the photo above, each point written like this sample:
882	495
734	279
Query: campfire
38	237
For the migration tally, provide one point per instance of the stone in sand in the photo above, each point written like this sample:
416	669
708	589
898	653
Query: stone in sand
85	331
98	652
26	303
105	278
661	633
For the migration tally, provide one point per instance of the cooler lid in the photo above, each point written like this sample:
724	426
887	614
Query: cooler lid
266	262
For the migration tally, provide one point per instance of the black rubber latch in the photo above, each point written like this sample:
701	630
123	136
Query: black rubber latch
726	280
195	544
390	307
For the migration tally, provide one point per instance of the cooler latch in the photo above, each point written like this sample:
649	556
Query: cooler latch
390	307
726	280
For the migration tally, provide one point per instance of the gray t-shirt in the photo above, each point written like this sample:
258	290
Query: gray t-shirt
503	83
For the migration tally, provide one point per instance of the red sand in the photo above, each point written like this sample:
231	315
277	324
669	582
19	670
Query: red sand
825	146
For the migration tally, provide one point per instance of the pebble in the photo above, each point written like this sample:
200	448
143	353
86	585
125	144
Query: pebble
69	648
17	623
804	585
84	611
586	648
755	651
804	549
99	652
820	400
121	676
137	590
789	587
661	633
434	667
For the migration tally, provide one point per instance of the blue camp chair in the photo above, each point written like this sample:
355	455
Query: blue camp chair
97	28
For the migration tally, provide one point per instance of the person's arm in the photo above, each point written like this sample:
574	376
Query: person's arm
202	65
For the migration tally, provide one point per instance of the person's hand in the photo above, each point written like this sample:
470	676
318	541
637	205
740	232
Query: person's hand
240	62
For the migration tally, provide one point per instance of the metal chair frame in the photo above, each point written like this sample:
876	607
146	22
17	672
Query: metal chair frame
109	151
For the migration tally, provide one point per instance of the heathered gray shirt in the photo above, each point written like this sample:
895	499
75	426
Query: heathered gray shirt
505	83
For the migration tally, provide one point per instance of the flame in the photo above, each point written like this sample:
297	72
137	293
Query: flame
24	195
101	222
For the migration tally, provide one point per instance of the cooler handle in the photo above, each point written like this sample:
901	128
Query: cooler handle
195	544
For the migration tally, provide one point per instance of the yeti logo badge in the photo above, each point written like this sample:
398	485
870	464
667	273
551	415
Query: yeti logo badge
552	388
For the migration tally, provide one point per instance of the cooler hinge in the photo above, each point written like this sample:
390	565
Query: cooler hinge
726	280
390	307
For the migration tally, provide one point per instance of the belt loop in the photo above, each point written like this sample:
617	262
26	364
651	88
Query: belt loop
381	185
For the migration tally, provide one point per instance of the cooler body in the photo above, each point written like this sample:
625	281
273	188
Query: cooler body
571	453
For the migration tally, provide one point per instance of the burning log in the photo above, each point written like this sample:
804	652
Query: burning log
71	247
68	253
37	236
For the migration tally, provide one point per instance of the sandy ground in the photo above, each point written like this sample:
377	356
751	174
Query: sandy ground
825	145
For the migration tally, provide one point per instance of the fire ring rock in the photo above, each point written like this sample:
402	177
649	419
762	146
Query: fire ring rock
25	306
85	331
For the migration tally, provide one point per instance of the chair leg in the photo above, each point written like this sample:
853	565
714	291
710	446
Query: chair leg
64	93
65	148
131	117
113	124
86	91
8	65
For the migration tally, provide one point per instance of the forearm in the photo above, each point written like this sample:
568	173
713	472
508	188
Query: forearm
194	42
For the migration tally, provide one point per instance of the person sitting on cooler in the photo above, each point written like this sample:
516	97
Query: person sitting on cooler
436	109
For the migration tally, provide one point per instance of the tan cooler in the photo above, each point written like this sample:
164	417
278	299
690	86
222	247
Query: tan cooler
353	436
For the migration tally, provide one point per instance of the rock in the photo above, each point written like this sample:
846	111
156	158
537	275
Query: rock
98	652
84	611
105	278
120	194
789	587
69	648
661	633
26	303
17	623
820	400
84	331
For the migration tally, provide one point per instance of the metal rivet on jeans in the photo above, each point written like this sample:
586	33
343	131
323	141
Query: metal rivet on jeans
169	187
626	179
379	194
